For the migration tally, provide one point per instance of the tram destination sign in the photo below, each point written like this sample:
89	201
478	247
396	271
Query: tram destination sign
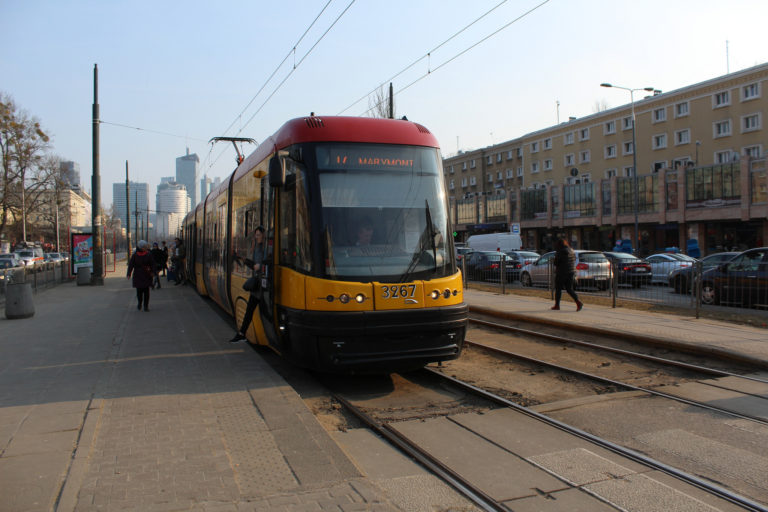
375	158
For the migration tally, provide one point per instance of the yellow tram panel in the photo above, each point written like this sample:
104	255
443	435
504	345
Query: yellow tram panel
326	295
291	289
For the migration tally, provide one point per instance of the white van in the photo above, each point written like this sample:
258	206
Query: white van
495	242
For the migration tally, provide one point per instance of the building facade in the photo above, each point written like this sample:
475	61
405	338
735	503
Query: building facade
139	203
700	154
186	174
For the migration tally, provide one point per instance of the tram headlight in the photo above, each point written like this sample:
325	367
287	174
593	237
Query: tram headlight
435	294
455	292
359	298
344	298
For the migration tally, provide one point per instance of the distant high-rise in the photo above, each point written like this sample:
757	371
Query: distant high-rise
70	171
172	205
139	195
186	174
205	186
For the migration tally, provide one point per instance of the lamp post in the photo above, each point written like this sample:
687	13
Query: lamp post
634	154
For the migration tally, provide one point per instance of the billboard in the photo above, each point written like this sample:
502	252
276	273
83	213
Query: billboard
82	251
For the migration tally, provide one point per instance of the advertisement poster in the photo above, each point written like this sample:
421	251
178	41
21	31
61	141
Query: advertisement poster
82	251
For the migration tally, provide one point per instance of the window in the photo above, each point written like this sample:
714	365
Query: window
510	173
721	128
610	151
721	99
750	123
610	173
519	152
723	157
626	123
520	172
534	147
681	109
472	180
534	167
584	156
584	134
499	175
568	138
569	159
659	141
548	164
753	151
464	182
451	186
660	115
464	166
548	143
509	155
682	137
489	160
661	164
490	177
750	91
627	148
586	177
498	158
609	128
629	171
450	169
472	164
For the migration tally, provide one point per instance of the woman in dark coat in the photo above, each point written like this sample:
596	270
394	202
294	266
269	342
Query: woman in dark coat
142	265
565	272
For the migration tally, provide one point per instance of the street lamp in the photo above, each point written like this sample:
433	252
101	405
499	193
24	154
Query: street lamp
634	152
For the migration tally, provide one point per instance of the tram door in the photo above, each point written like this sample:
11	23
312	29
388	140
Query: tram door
267	309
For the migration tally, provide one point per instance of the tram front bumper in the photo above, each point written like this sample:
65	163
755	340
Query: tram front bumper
374	339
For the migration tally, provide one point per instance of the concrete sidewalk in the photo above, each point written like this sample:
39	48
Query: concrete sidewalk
103	407
724	339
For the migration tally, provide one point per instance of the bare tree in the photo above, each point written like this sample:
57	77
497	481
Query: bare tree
22	146
378	104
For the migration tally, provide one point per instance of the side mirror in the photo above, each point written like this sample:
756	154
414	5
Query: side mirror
276	172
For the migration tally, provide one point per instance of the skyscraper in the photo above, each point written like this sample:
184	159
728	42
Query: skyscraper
205	186
186	174
172	205
139	196
70	171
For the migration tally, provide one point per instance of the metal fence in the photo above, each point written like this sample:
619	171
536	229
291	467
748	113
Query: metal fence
739	286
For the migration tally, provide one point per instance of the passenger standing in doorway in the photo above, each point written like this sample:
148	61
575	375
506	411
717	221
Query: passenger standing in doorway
159	256
142	266
257	253
565	273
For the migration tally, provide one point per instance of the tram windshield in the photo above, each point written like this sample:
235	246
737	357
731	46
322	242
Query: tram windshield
384	213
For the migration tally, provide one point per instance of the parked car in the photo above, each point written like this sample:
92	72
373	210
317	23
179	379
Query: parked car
486	265
30	256
460	253
592	269
54	257
12	257
680	279
521	259
663	264
741	281
6	270
629	269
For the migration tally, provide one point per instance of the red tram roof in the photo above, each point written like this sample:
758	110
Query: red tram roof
340	129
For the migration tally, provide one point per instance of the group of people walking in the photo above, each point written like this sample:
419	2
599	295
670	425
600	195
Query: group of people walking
146	265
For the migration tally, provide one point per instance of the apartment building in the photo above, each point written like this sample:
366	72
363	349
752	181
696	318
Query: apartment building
700	154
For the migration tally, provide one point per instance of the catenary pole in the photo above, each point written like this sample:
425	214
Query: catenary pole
98	268
127	214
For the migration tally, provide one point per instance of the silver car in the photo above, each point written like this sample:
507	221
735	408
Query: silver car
662	265
592	269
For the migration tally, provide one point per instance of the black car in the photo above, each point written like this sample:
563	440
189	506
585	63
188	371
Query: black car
741	281
486	265
680	279
629	269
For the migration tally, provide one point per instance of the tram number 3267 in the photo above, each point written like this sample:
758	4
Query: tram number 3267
398	292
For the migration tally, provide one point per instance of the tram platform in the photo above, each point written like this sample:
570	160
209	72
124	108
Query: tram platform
103	407
724	339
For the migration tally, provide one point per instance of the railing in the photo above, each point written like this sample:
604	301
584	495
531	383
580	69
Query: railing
39	275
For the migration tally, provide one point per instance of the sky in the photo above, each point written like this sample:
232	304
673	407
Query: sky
174	74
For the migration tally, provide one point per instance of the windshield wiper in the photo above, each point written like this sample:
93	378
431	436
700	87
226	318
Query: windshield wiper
427	234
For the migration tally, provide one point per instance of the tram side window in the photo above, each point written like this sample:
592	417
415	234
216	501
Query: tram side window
294	223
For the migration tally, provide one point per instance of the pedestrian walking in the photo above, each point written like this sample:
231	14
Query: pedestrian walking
565	273
142	266
159	257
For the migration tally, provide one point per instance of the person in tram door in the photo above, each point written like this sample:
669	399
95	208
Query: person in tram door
179	254
142	266
253	283
565	273
159	256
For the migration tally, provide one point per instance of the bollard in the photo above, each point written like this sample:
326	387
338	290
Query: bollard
18	301
83	276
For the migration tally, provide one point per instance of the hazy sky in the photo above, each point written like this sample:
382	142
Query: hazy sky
183	72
